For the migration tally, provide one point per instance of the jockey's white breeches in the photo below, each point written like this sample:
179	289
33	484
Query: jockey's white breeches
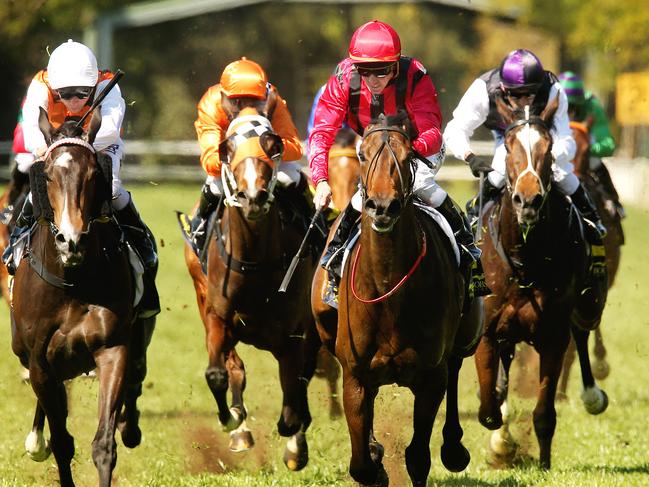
121	197
563	174
288	173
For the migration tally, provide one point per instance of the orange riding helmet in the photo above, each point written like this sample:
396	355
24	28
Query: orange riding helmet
244	78
375	42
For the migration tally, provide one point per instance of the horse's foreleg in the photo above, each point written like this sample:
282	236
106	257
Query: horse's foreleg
112	364
601	369
295	414
501	442
568	360
37	447
53	400
595	399
240	436
216	373
455	456
137	368
487	362
358	402
545	415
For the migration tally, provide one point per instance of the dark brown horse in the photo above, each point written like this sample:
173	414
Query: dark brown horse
536	263
73	302
612	243
238	300
400	313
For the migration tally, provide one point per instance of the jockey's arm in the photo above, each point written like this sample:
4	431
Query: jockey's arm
113	108
35	99
424	110
563	144
210	129
469	114
603	143
283	126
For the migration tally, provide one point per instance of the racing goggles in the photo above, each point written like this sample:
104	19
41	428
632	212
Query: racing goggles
378	71
80	92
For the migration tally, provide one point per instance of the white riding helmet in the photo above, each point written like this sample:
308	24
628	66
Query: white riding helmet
72	64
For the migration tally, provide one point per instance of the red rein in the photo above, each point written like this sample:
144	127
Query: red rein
398	285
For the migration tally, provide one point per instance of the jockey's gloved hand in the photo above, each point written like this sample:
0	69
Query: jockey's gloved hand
478	164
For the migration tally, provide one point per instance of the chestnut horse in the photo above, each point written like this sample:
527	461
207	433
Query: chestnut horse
536	263
73	299
400	312
248	251
612	243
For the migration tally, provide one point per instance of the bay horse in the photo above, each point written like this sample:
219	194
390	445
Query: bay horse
612	243
536	263
400	312
73	302
249	249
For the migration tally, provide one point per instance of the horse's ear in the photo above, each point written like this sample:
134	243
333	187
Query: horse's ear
506	112
271	104
95	124
548	113
271	144
45	125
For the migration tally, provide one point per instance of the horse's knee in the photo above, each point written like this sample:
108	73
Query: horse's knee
104	453
217	379
545	423
289	422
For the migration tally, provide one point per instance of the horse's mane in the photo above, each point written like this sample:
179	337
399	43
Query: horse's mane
399	119
346	138
68	129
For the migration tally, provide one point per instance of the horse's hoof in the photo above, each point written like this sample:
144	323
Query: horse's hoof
595	400
241	441
601	369
455	457
491	422
131	436
234	420
296	453
37	447
503	446
376	451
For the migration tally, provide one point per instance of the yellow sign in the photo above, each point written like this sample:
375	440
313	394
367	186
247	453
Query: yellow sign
632	99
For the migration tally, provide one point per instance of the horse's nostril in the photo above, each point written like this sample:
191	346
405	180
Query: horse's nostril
517	200
393	208
262	197
370	204
537	201
241	195
60	238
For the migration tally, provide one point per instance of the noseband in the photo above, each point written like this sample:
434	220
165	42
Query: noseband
406	188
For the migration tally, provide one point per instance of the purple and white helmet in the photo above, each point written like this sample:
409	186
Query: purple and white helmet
521	70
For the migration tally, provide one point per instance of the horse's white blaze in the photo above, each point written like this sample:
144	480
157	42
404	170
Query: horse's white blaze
250	175
528	136
65	227
63	160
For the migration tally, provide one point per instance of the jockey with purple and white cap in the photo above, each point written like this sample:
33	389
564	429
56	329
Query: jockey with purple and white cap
520	81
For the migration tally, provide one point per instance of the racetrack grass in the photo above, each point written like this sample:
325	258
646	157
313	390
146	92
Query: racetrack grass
183	444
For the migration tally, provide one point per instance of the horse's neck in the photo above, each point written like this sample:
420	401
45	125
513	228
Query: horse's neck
252	240
389	255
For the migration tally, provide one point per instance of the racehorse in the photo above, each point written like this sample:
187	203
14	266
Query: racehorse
399	318
612	243
536	263
248	251
78	268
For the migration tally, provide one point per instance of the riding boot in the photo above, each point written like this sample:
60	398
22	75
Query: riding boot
16	186
489	192
138	234
198	227
604	177
595	231
23	223
469	252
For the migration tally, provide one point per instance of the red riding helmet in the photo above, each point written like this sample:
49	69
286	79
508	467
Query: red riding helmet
375	42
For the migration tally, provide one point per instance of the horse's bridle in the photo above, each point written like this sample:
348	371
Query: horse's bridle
406	188
227	176
54	229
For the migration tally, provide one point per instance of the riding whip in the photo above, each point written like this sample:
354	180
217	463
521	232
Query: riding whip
298	255
478	233
100	97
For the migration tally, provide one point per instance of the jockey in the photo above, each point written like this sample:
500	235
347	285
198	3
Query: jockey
376	79
520	80
20	172
585	107
66	89
243	84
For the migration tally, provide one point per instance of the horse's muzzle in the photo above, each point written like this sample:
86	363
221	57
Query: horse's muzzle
71	251
527	208
384	212
254	207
